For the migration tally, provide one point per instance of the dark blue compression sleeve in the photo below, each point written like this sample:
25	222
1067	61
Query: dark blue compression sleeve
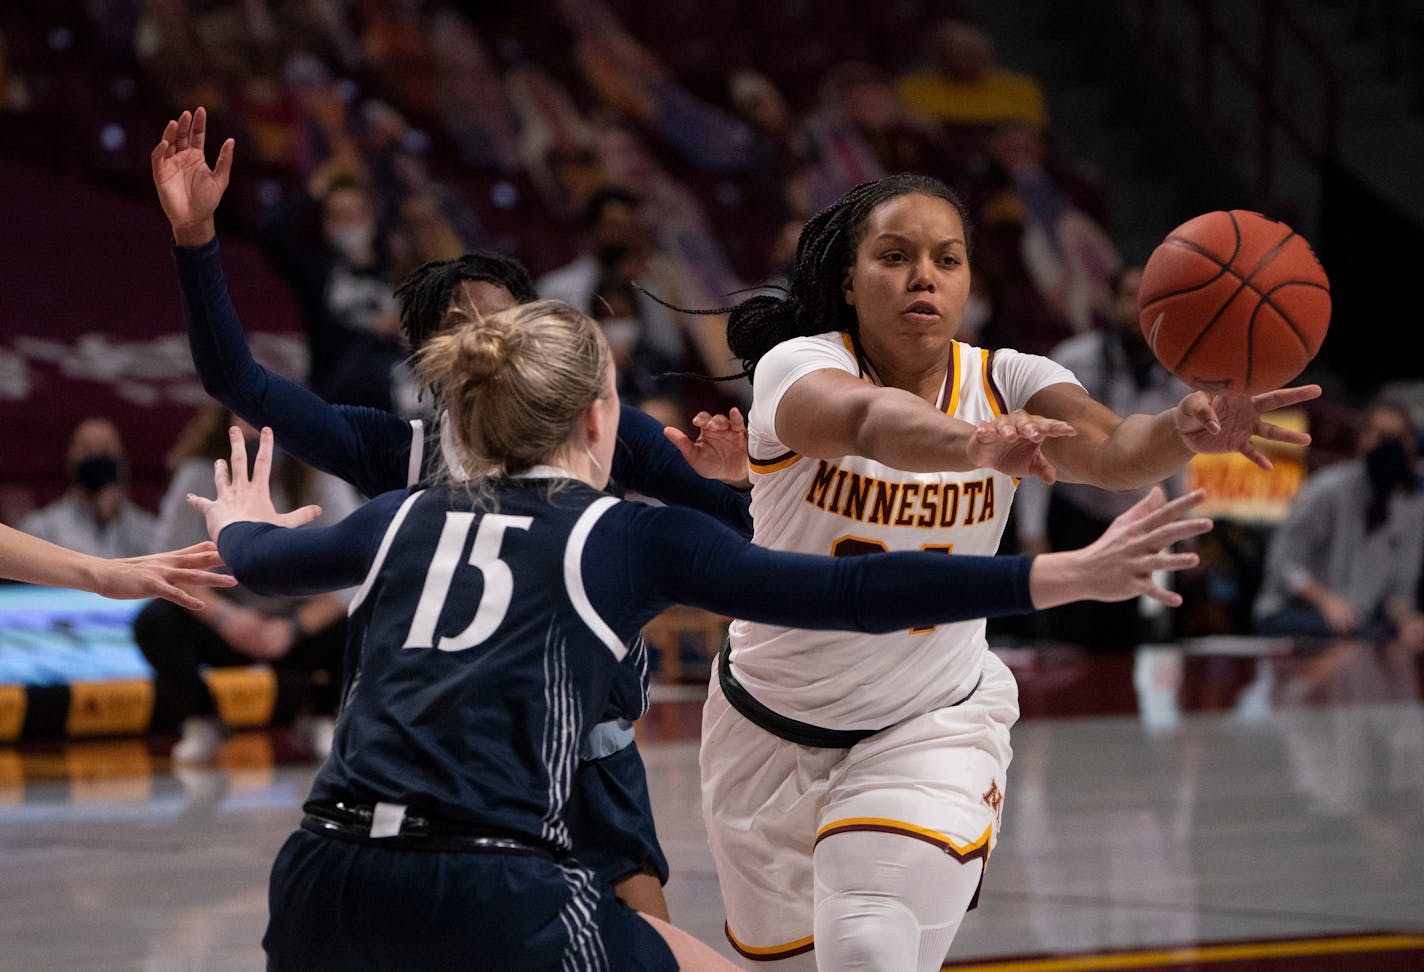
682	557
269	559
645	461
367	447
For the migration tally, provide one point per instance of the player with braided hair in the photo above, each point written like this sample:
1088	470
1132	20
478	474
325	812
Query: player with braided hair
374	450
852	784
493	612
425	296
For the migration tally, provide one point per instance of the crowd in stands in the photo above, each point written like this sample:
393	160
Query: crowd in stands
624	152
376	135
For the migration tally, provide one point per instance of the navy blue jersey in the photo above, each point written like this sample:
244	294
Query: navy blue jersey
486	632
377	451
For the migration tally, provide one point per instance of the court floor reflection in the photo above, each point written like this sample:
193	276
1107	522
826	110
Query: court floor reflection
1214	792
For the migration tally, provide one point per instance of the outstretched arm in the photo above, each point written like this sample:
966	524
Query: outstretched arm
270	559
1125	453
366	447
830	413
686	559
35	561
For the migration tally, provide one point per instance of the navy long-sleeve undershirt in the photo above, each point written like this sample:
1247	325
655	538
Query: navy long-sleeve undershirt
370	448
640	559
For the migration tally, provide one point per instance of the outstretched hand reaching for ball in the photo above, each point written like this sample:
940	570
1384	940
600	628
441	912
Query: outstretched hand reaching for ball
241	499
1226	421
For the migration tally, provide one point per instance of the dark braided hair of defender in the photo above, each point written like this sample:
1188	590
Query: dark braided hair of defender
425	293
816	303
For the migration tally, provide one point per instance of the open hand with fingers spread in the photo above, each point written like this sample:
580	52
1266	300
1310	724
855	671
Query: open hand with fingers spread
1120	564
242	498
1226	421
188	190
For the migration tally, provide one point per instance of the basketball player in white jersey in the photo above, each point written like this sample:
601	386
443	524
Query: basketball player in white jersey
853	785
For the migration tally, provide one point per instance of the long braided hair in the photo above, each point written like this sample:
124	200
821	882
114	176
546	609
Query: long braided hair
424	295
815	303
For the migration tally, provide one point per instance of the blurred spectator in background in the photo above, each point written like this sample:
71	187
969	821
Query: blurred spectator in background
1064	249
340	276
780	154
1115	365
635	84
95	515
860	132
555	142
1040	248
424	231
679	226
14	92
648	339
470	95
962	84
296	636
1346	562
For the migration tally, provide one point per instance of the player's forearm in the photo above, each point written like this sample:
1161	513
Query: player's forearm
1059	578
34	561
269	559
690	560
1141	450
906	432
219	348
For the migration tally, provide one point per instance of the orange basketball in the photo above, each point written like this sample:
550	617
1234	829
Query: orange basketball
1234	301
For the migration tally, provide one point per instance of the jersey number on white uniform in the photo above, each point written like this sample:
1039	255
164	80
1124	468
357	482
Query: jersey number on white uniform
484	555
859	546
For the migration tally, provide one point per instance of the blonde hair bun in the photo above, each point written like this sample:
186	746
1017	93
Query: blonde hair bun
515	382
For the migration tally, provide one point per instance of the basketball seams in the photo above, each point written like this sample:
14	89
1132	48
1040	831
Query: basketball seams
1281	312
1261	264
1205	321
1200	251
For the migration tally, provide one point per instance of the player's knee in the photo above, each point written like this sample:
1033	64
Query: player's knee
865	931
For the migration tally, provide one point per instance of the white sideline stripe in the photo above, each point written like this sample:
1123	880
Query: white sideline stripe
573	576
390	536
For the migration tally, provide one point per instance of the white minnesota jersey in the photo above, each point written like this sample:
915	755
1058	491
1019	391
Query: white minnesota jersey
851	506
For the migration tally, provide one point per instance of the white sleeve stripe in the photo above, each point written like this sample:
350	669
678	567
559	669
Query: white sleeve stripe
417	451
573	576
386	541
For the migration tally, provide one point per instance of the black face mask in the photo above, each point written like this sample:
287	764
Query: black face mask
1387	465
93	473
1389	471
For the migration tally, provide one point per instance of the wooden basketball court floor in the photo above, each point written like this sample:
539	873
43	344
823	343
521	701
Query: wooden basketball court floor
1223	805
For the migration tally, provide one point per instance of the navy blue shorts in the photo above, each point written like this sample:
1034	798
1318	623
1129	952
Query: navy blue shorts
340	904
610	818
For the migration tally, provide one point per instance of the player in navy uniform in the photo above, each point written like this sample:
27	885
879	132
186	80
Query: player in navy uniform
377	451
492	617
